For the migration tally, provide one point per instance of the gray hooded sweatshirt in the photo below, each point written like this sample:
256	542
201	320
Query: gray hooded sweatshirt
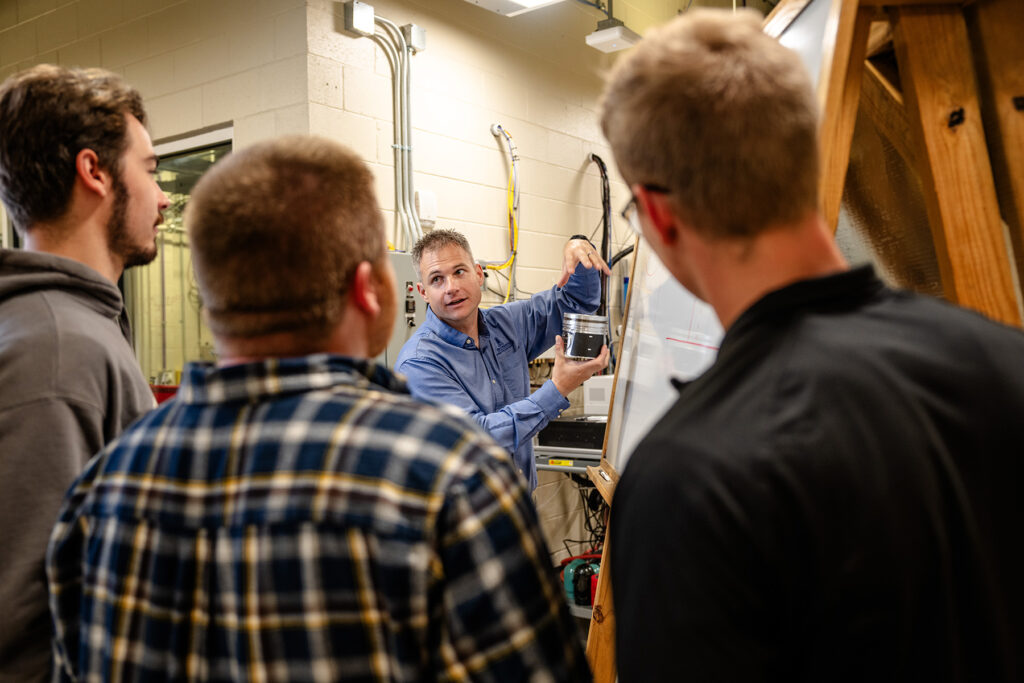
69	383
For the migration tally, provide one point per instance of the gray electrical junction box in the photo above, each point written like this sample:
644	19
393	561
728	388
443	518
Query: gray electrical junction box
411	311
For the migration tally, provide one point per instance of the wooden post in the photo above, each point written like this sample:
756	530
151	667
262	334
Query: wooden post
601	637
942	100
838	96
1000	49
883	104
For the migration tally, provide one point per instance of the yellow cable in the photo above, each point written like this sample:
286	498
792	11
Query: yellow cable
513	226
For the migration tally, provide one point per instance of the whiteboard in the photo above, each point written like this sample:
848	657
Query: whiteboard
668	333
804	35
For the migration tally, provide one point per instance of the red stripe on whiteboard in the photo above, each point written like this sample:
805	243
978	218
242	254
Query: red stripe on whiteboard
683	341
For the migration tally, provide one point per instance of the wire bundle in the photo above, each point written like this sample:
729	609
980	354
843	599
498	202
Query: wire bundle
513	212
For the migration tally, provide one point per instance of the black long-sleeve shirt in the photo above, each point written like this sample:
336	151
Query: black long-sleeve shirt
836	499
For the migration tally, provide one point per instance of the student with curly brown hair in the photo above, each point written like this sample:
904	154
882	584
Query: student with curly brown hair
76	177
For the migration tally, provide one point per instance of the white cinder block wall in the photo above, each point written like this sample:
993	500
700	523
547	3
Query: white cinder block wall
533	74
199	64
271	67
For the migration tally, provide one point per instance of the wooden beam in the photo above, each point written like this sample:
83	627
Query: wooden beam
880	37
883	104
942	101
838	96
601	636
1000	51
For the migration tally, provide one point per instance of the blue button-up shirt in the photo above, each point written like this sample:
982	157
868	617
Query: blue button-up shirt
491	381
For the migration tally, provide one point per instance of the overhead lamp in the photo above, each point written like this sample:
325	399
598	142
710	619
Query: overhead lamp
611	36
511	8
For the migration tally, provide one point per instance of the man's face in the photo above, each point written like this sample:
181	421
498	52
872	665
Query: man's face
450	283
138	201
384	325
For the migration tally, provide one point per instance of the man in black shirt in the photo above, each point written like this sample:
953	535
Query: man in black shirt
837	497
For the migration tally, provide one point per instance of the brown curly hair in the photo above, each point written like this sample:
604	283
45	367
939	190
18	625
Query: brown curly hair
48	114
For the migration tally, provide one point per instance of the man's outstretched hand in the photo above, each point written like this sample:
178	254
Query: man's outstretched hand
580	251
569	374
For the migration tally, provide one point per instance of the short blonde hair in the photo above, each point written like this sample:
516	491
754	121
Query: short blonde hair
277	231
723	116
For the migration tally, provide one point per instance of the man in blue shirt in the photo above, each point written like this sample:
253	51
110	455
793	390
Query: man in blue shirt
477	359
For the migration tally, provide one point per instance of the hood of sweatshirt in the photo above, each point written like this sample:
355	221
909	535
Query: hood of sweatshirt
23	272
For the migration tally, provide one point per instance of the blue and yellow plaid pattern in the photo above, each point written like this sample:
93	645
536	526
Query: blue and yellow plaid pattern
304	520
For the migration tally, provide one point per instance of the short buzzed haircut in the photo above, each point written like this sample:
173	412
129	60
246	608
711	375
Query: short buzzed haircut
48	114
277	231
721	115
439	239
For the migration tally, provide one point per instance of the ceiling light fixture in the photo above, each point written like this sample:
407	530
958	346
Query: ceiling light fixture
512	8
611	34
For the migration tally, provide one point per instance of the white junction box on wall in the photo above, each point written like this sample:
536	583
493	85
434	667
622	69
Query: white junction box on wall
359	18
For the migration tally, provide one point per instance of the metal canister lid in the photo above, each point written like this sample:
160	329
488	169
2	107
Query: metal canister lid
587	324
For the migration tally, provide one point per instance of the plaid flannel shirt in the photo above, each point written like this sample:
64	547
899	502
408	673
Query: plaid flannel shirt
304	520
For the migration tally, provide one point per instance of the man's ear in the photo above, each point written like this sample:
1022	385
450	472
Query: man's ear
422	290
479	273
364	294
658	208
90	174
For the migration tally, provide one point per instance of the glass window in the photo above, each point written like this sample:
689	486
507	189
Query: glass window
8	237
162	297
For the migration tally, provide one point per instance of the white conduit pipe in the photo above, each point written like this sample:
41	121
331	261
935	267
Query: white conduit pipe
392	42
513	154
405	71
402	228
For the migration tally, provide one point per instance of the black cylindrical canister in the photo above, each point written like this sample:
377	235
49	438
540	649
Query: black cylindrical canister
583	335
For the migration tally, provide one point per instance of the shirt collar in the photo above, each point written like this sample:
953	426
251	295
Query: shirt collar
207	383
841	291
451	335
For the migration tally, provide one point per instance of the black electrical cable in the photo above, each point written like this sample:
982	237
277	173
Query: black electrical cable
606	232
621	255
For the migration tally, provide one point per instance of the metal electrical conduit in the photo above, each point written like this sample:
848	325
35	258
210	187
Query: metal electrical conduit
391	40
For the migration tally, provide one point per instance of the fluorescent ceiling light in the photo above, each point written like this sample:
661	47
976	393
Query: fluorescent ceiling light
613	38
511	8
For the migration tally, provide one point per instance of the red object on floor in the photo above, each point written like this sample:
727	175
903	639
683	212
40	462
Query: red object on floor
162	392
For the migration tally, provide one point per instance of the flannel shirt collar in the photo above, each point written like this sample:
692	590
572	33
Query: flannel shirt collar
204	383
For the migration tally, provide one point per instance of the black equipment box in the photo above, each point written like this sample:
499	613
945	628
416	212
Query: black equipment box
573	433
